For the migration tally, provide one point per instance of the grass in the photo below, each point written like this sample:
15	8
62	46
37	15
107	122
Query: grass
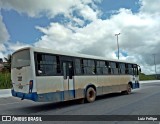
146	77
5	80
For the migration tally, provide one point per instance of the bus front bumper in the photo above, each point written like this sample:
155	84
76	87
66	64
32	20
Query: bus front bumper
31	96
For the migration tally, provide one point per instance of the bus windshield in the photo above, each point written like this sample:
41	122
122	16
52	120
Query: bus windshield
21	59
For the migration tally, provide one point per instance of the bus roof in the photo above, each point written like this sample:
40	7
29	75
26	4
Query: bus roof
78	55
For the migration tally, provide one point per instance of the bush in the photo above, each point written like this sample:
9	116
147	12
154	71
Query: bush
5	80
146	77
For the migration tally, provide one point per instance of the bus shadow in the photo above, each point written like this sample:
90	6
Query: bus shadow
55	106
44	107
110	95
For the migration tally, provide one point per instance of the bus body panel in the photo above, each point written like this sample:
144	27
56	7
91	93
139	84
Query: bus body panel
81	82
52	84
49	88
21	78
54	89
113	83
103	84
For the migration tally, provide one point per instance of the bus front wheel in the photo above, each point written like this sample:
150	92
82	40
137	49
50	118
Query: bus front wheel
128	91
90	94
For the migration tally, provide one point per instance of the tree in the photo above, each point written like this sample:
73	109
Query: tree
7	65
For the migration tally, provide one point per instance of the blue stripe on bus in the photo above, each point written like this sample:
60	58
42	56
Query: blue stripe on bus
51	96
46	97
57	96
31	96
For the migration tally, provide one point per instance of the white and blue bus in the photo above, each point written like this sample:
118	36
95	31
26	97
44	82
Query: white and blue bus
44	75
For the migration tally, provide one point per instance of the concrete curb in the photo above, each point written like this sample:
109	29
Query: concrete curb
7	92
149	81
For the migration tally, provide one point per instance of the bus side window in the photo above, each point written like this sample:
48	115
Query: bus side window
77	66
114	69
46	65
117	67
82	66
109	68
126	70
130	69
58	64
91	67
122	68
85	64
64	70
98	69
101	68
105	68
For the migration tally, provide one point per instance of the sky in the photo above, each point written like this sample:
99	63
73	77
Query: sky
84	26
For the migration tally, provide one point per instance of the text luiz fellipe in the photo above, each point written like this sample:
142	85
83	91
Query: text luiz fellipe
147	119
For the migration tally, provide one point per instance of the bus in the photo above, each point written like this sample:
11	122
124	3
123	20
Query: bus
45	75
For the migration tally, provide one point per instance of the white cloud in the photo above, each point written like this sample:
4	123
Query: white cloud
11	47
4	36
38	7
88	13
50	8
150	6
2	47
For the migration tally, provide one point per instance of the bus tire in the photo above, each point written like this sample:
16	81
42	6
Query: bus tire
90	94
128	91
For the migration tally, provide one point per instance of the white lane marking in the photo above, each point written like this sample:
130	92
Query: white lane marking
10	103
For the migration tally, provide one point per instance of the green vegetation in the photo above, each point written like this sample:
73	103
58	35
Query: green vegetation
5	74
146	77
5	80
7	66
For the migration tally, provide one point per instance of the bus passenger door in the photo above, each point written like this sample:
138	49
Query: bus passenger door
68	83
135	78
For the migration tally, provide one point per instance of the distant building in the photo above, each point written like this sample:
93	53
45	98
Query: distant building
1	60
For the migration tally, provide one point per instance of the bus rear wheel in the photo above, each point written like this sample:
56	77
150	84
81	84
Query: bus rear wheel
90	95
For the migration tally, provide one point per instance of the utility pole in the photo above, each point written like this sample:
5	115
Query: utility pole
154	55
117	43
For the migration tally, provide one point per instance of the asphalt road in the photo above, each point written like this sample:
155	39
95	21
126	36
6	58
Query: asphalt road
142	101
